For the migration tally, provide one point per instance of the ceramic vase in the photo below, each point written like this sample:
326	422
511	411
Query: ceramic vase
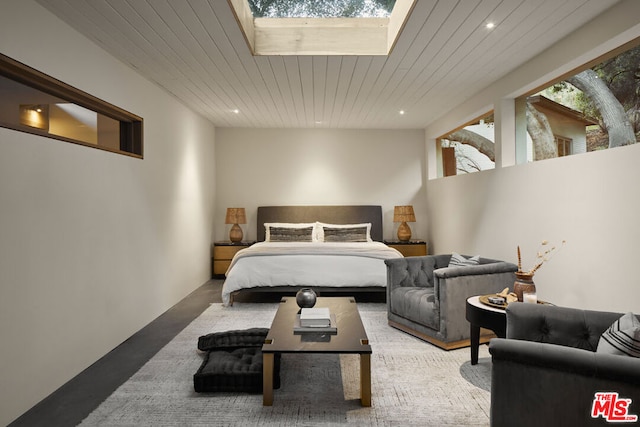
523	283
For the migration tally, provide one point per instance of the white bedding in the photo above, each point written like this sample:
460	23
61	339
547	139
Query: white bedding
319	264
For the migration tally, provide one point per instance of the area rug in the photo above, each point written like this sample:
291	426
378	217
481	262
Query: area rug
413	382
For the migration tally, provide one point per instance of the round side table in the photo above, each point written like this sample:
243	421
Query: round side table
481	315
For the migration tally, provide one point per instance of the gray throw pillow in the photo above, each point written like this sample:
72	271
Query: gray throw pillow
623	337
458	260
350	234
286	234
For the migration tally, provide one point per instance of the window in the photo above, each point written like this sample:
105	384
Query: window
33	102
594	108
468	149
564	145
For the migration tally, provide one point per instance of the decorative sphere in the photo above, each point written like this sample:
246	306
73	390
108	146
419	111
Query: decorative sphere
306	298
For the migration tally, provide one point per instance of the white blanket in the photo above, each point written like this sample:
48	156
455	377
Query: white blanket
324	264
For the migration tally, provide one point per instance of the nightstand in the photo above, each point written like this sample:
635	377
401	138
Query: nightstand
410	248
222	255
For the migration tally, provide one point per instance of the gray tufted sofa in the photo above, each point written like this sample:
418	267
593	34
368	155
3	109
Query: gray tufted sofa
426	297
546	372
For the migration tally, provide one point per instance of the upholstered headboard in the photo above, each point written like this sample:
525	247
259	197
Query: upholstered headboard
328	214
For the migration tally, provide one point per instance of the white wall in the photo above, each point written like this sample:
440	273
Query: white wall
588	199
265	167
93	245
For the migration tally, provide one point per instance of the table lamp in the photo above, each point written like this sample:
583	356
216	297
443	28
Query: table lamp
235	216
404	214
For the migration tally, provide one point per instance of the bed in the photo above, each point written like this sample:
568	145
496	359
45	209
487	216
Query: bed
327	248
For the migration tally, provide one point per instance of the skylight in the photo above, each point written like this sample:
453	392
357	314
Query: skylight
343	28
321	8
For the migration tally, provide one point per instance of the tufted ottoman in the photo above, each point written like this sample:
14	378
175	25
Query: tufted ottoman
233	362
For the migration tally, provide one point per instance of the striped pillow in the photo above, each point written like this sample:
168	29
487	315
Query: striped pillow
282	235
321	227
286	234
345	234
458	260
623	337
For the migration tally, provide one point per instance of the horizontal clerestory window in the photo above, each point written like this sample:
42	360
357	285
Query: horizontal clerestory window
33	102
467	149
595	107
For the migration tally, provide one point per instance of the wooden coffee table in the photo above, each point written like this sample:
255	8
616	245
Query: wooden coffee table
351	338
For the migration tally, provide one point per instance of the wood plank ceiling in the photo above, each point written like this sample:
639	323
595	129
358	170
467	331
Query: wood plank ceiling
195	50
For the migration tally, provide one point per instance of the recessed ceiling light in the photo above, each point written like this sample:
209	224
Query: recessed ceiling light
236	111
401	112
490	25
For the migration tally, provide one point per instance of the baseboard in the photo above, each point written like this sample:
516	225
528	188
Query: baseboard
485	336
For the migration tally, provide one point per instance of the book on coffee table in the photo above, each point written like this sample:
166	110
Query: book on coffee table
331	328
316	316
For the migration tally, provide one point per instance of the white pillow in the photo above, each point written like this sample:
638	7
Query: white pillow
287	225
320	226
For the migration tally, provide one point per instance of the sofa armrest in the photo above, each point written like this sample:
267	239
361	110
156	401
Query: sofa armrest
473	270
547	384
566	359
458	283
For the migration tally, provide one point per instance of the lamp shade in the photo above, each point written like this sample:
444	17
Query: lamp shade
403	214
235	216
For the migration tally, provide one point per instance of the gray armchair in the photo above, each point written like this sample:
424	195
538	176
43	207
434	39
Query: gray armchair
426	297
546	372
